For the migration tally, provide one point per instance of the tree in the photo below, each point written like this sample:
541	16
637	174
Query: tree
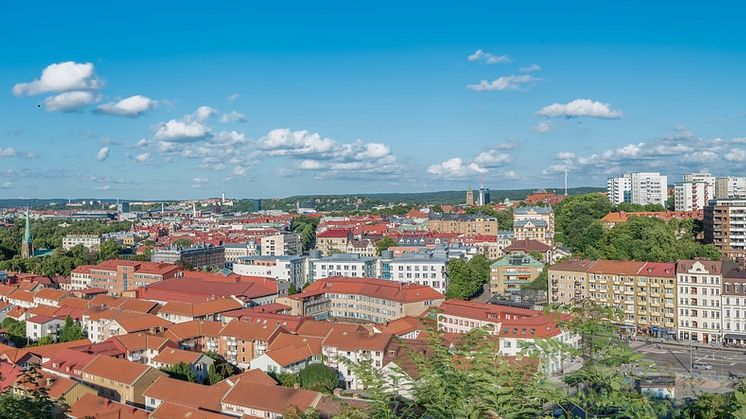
318	377
292	289
294	412
109	250
181	371
222	368
286	379
71	331
212	375
384	244
465	279
31	403
16	331
44	340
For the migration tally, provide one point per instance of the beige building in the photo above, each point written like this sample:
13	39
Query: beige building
535	223
365	299
512	273
468	224
699	284
120	380
89	241
333	241
282	244
725	226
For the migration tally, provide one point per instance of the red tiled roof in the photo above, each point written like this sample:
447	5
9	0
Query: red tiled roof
115	369
371	287
337	233
93	406
353	341
200	286
270	398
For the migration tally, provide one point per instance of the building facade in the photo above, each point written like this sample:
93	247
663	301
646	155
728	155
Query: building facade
699	286
725	226
282	244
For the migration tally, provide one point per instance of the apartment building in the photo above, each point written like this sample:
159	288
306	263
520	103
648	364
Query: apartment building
194	257
120	380
339	264
733	299
284	269
333	240
692	196
699	287
725	226
281	244
355	347
367	299
364	247
423	269
91	242
511	273
730	187
645	292
649	188
542	220
237	250
117	275
619	189
468	224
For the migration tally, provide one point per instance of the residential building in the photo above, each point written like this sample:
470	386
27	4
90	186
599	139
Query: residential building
284	269
237	250
355	347
249	399
619	189
93	406
242	341
91	242
120	380
332	240
194	257
469	197
196	287
367	299
198	362
80	277
733	299
339	264
694	192
423	269
699	287
40	326
649	188
117	275
364	247
289	353
468	224
213	309
281	244
730	187
535	223
725	226
530	247
511	273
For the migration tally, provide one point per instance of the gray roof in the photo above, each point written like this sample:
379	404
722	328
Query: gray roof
537	223
528	210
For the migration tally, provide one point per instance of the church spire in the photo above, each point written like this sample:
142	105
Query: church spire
27	245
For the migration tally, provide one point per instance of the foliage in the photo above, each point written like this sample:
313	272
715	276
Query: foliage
181	371
379	392
16	331
541	281
71	331
109	250
294	412
384	244
286	379
292	288
306	227
221	368
44	340
318	377
32	403
466	278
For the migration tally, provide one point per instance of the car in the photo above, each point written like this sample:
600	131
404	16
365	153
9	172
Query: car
702	366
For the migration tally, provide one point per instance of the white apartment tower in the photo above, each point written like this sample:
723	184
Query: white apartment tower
694	192
730	187
619	189
649	188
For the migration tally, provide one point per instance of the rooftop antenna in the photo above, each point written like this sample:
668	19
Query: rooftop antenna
565	181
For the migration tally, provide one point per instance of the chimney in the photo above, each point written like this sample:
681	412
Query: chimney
296	386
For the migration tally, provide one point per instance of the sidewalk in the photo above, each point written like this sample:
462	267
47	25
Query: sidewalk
653	341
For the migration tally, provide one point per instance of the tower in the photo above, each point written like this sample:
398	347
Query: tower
484	194
469	197
565	181
27	245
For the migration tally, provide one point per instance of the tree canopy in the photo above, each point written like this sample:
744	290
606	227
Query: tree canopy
466	278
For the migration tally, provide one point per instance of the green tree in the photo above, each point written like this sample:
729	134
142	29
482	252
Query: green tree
71	331
32	403
44	340
16	331
318	377
384	244
223	368
181	371
466	278
292	289
212	375
109	250
294	412
286	379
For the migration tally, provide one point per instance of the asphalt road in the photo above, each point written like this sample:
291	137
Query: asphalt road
677	358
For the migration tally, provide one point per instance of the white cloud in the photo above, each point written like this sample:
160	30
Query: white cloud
68	101
234	97
102	154
199	182
736	155
284	142
513	82
7	184
565	155
175	130
234	116
455	168
203	113
132	106
543	127
704	156
8	152
142	157
61	77
492	158
142	143
530	69
487	57
239	171
580	108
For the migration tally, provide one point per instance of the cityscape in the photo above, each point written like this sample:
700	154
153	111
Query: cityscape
350	210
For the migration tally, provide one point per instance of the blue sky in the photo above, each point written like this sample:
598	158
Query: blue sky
179	99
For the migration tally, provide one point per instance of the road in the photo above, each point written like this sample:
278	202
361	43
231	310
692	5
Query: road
677	358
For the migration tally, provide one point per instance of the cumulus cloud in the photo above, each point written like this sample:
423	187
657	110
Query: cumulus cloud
8	152
102	154
142	142
7	184
455	168
234	97
736	155
284	142
233	116
190	128
487	57
61	77
492	158
580	108
530	69
199	182
543	127
513	82
68	101
132	106
142	157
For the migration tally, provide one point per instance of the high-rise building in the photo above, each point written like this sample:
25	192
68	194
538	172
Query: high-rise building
649	188
730	187
619	189
27	244
469	197
484	195
725	226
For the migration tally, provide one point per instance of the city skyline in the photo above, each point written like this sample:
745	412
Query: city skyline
265	101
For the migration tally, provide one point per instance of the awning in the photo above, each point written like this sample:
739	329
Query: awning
735	336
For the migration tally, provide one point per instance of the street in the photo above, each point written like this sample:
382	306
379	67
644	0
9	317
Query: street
677	358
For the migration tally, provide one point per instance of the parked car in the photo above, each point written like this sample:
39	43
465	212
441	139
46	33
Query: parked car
702	366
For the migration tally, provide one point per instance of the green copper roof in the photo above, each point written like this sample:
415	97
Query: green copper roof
27	235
